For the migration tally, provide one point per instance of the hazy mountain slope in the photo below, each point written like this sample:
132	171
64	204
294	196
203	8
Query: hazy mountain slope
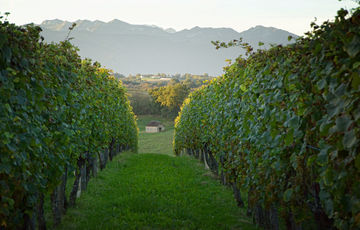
128	48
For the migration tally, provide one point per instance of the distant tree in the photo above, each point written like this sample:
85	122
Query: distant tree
177	76
119	75
174	81
143	103
187	75
170	97
188	82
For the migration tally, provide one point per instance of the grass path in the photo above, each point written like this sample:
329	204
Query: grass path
153	191
160	143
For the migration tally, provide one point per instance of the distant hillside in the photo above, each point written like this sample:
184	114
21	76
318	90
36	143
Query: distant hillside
131	49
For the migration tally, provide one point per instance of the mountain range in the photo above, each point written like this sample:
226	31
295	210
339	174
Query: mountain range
132	49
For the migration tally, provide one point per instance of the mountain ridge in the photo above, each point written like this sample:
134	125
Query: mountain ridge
129	49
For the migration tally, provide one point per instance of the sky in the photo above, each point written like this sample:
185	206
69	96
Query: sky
292	15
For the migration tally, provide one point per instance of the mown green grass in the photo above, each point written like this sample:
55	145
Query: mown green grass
153	191
160	143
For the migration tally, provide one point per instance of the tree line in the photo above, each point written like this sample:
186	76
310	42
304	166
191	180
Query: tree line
159	96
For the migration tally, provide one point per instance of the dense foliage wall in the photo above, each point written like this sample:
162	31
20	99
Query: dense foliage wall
283	127
58	113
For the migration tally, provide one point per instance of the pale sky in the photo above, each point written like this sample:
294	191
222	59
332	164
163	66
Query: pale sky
292	15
